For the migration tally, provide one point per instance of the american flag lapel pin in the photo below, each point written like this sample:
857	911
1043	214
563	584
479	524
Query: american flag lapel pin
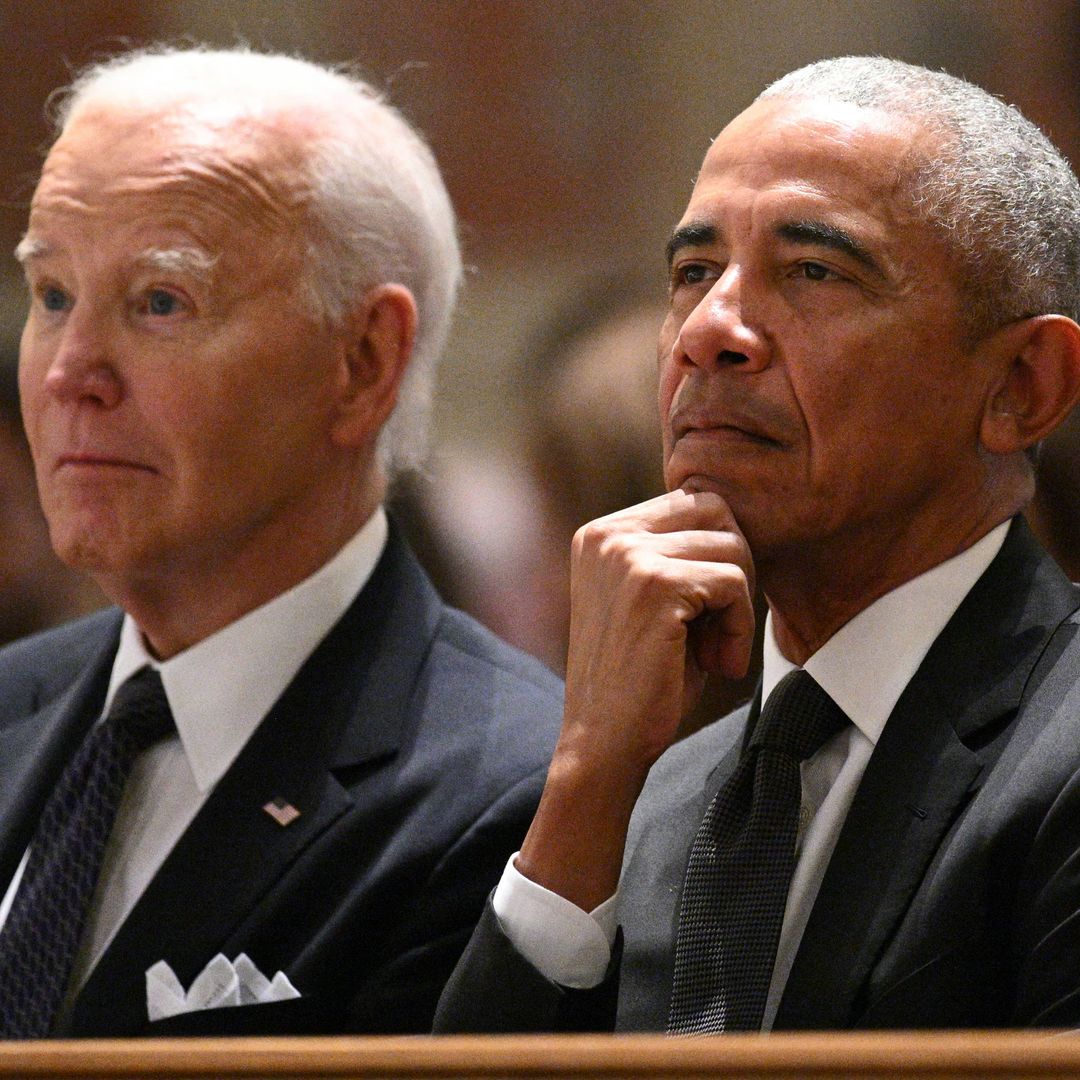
284	813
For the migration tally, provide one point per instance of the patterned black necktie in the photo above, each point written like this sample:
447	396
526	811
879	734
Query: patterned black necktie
741	864
40	938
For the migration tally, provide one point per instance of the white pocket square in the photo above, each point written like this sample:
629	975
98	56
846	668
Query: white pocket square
221	983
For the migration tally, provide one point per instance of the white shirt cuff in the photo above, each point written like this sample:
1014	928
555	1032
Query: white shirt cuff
565	944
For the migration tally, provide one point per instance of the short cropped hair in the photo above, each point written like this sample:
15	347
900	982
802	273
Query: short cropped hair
1004	199
379	210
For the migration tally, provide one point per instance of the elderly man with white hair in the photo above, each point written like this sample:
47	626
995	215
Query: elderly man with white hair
280	774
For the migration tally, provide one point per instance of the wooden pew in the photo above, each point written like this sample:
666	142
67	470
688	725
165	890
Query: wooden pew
826	1056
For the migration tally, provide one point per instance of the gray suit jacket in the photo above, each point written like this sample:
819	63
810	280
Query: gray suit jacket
415	746
952	898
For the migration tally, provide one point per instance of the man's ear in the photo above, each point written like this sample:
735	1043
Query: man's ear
1038	382
379	337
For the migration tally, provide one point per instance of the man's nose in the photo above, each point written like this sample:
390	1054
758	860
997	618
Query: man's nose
83	368
722	331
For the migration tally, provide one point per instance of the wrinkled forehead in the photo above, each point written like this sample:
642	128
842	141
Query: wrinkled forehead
250	169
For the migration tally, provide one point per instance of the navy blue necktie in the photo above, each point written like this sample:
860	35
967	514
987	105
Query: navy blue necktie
41	936
740	867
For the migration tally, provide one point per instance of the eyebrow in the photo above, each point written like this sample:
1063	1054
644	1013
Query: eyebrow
173	260
693	234
822	234
29	247
178	260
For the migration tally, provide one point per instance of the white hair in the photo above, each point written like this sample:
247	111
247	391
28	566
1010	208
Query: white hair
379	210
1005	200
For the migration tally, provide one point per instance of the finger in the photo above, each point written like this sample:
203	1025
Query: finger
660	565
720	633
703	545
672	512
721	642
694	589
615	542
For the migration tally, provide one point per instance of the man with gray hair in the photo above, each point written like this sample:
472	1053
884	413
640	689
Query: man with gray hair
874	295
281	774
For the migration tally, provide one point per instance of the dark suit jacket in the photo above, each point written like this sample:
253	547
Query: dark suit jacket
952	898
415	746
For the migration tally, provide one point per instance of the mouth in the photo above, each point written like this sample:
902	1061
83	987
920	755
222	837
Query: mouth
740	430
91	462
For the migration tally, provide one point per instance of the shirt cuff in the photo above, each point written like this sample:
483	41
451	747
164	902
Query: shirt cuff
565	944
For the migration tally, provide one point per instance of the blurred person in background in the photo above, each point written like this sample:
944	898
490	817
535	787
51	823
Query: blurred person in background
588	392
497	527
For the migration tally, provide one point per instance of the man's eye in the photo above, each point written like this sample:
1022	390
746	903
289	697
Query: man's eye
816	271
161	302
53	299
690	274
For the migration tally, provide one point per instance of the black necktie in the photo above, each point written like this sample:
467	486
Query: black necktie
40	938
741	864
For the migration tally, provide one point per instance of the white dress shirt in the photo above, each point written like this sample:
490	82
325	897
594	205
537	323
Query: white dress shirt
219	691
864	668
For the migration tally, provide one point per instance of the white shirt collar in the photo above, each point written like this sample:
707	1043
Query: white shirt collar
220	689
866	664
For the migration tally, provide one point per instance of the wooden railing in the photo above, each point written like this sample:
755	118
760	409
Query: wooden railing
944	1056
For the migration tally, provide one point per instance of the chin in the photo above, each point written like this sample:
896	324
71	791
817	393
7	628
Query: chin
696	482
88	550
693	480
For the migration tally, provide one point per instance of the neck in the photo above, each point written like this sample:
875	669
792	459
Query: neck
812	597
179	605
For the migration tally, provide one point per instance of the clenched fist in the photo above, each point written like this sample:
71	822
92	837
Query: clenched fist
660	597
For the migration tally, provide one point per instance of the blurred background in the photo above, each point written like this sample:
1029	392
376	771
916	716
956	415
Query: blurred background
569	133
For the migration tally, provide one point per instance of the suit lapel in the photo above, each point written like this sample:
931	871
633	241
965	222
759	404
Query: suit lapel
35	748
915	784
229	857
344	709
921	775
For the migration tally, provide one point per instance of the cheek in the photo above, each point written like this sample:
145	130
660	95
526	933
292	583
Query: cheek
31	366
669	376
669	383
32	406
249	421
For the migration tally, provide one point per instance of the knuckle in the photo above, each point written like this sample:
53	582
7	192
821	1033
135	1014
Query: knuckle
615	545
648	581
640	573
591	535
731	583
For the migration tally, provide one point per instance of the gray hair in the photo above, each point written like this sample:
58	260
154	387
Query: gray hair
379	210
1005	200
